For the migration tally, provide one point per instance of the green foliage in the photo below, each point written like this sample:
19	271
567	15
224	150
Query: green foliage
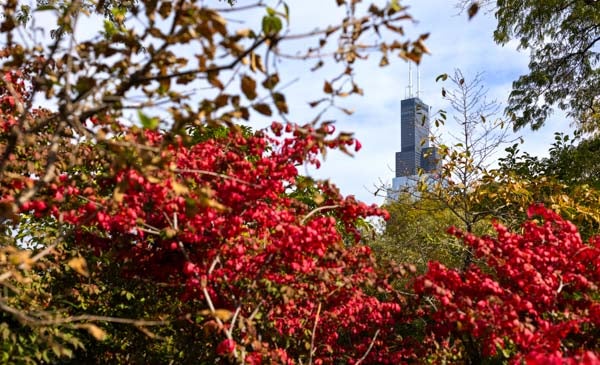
32	329
567	181
416	234
563	68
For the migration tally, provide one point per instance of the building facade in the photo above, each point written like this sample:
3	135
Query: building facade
416	159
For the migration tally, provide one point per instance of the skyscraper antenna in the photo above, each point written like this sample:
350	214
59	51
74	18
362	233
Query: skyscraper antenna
410	94
418	81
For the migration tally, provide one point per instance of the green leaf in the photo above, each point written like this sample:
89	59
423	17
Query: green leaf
109	28
45	8
271	24
442	77
148	122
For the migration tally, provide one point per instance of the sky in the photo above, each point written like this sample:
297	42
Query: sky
454	42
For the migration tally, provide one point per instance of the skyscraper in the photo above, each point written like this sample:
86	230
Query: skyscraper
415	156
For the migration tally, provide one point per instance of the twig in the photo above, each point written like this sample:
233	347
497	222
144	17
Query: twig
316	210
237	311
312	339
74	319
369	349
215	174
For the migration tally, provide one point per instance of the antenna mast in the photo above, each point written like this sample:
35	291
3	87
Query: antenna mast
418	81
410	93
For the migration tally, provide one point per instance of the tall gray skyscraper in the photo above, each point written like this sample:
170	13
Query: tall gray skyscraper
414	128
415	154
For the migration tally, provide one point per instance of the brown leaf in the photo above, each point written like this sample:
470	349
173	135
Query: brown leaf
327	88
214	80
384	61
9	210
271	81
221	100
256	63
473	9
245	113
263	109
280	103
249	87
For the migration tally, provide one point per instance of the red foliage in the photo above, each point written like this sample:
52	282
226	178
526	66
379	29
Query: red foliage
219	217
537	298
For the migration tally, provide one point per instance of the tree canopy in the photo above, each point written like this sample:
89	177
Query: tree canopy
563	38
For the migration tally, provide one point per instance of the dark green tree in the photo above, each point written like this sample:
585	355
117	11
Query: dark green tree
563	38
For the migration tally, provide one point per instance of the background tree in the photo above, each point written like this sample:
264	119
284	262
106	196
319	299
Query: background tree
564	181
563	40
416	234
473	139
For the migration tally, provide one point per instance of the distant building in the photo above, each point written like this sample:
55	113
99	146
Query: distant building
416	159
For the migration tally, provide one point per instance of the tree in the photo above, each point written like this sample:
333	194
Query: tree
574	161
564	56
416	234
564	181
472	144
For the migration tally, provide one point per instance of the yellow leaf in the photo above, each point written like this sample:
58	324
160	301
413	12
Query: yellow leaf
96	332
318	198
21	258
179	189
243	32
223	314
118	194
79	265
